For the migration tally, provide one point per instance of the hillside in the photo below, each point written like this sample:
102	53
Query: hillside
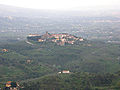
24	61
16	66
74	81
21	61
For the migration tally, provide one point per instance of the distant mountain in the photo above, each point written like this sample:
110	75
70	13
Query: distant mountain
6	10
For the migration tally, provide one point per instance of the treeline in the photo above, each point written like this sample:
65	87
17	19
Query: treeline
74	81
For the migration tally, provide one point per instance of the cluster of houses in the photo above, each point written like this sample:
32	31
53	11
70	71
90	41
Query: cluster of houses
10	85
60	39
4	50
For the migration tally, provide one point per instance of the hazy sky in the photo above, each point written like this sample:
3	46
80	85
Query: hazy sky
62	4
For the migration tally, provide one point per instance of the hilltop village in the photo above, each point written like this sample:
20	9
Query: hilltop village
59	39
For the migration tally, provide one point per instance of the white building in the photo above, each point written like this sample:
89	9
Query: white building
65	71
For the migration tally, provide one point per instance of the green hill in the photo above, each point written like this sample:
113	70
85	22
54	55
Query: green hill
74	81
24	61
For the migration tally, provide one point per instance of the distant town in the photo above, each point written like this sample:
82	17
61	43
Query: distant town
59	39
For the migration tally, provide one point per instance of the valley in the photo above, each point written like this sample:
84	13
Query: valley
79	51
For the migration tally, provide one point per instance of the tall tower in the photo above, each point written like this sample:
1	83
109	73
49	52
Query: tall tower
46	32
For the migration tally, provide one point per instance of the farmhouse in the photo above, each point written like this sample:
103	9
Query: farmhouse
65	71
12	86
8	84
5	50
